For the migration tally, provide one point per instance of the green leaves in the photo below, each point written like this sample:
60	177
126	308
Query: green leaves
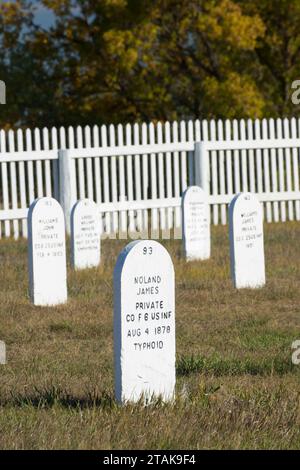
128	60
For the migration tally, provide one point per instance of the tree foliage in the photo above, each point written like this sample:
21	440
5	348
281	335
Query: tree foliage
128	60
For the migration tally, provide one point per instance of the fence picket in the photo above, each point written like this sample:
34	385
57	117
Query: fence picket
251	157
137	176
281	170
13	183
214	171
228	136
4	175
114	184
169	173
121	172
176	174
54	164
48	188
148	176
236	158
191	168
221	165
105	181
266	169
183	158
258	159
97	172
288	169
244	157
97	167
129	178
295	167
22	184
153	173
274	171
161	179
38	163
145	172
80	163
89	170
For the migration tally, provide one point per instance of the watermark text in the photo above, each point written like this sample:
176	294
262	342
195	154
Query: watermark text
2	352
2	92
296	352
296	94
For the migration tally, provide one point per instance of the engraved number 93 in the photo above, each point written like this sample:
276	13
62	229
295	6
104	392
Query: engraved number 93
147	251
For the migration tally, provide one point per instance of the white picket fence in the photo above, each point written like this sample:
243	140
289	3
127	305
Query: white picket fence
137	173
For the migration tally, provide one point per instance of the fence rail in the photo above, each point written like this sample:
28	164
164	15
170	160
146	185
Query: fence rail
137	173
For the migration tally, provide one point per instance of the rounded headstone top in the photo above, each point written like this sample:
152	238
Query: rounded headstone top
132	247
243	198
193	190
45	201
85	203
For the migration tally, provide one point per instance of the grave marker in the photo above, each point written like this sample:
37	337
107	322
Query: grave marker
144	322
195	224
246	241
85	235
47	252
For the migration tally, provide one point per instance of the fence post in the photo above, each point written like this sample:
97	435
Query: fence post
201	167
66	186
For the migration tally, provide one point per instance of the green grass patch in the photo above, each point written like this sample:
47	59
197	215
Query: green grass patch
219	366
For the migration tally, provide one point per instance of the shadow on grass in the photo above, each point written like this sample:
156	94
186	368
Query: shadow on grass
54	396
49	397
218	366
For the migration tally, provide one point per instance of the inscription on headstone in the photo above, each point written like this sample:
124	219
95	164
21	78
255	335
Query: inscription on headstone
144	323
47	252
85	235
195	224
246	241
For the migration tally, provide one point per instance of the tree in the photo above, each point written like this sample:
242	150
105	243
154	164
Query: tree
278	52
128	60
205	50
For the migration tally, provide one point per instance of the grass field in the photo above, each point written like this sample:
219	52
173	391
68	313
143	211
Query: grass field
236	385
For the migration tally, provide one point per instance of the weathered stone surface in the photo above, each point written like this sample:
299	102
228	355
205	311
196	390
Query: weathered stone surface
195	224
85	235
47	252
246	241
144	322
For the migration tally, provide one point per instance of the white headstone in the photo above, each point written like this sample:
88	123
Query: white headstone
47	252
144	322
246	241
85	235
195	224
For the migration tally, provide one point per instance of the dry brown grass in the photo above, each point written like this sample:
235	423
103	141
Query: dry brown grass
236	386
